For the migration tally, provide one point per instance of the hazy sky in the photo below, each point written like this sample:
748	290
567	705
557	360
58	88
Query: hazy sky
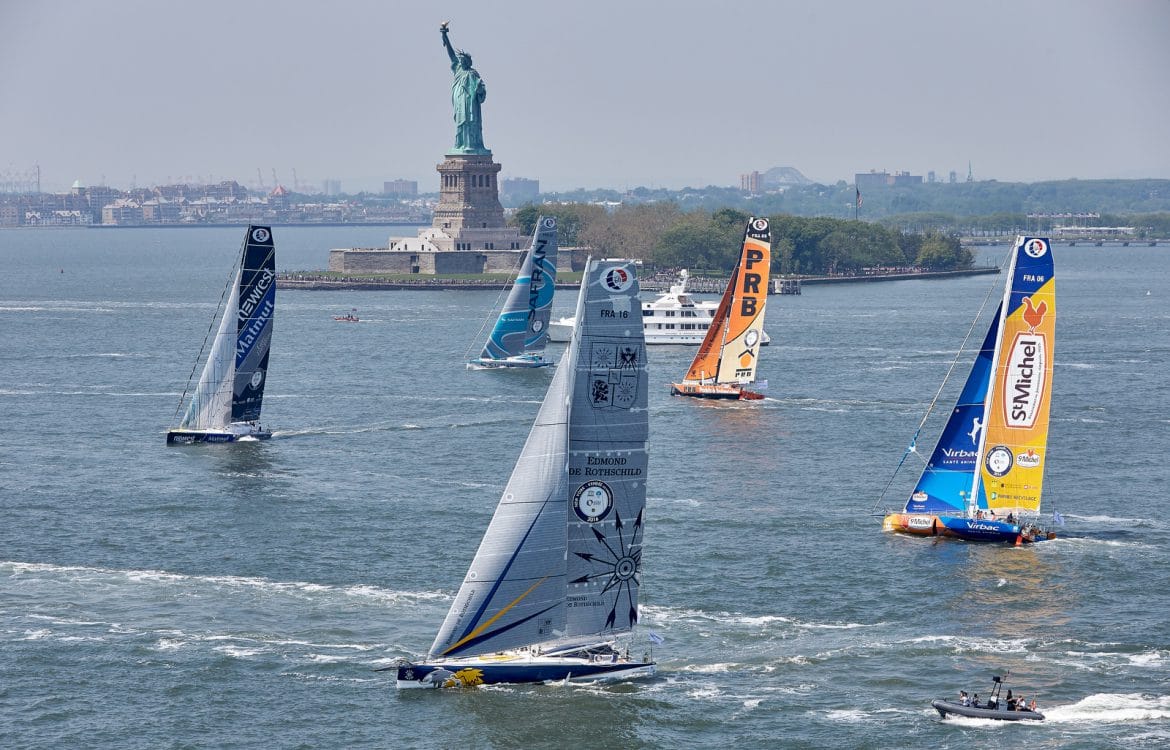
587	94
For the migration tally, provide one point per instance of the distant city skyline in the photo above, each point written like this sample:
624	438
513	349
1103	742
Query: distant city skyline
687	94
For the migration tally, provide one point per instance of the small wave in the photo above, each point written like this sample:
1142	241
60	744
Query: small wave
965	644
239	652
36	635
295	588
731	619
707	692
1118	520
1155	658
169	644
690	502
327	659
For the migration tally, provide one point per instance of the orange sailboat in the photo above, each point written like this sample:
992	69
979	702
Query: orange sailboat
728	356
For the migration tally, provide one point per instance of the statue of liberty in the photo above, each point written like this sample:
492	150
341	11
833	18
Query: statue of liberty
467	93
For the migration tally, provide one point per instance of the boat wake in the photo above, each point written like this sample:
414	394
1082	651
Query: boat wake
1112	708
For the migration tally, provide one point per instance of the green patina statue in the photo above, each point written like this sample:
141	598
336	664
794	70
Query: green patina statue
467	93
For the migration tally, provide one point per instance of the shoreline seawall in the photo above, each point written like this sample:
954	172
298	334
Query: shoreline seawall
314	281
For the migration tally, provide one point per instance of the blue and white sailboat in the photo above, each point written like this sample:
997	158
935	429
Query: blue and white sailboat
521	332
555	580
225	405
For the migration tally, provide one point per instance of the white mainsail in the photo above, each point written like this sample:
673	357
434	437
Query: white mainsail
211	403
561	558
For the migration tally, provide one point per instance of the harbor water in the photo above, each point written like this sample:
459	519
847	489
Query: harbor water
243	596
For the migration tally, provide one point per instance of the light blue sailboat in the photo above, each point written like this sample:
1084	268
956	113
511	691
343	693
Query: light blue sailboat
521	332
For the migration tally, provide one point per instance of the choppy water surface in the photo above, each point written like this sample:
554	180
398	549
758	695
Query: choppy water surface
242	596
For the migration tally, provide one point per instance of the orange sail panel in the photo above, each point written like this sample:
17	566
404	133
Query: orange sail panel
1016	431
730	351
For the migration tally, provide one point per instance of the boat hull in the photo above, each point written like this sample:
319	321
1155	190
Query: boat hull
714	391
523	361
190	437
947	708
504	669
560	331
959	527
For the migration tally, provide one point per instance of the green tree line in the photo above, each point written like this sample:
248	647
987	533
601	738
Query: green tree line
663	235
1132	202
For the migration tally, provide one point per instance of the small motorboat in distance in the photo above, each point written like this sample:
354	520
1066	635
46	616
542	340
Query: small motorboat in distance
350	317
997	708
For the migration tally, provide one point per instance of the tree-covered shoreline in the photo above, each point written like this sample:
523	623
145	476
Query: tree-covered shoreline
665	236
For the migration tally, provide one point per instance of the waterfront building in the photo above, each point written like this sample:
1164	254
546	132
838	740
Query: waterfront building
400	188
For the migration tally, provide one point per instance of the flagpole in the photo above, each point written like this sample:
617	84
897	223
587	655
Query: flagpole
856	200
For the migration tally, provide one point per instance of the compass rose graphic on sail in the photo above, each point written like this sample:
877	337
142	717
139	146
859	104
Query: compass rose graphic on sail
619	565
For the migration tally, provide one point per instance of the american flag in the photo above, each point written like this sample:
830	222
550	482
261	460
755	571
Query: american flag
858	190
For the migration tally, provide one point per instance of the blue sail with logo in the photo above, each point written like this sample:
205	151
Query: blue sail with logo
521	331
945	484
225	404
555	580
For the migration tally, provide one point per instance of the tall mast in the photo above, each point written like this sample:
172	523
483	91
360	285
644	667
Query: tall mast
977	476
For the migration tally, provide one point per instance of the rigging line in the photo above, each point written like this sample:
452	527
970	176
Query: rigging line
913	448
214	320
496	306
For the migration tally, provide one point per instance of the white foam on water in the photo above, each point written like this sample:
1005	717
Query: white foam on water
843	716
1113	520
706	692
326	659
239	652
1111	708
169	644
989	724
300	589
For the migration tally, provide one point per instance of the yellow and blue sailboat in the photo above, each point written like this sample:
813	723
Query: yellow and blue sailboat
984	479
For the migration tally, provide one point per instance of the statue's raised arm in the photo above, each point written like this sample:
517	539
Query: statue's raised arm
467	94
447	43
